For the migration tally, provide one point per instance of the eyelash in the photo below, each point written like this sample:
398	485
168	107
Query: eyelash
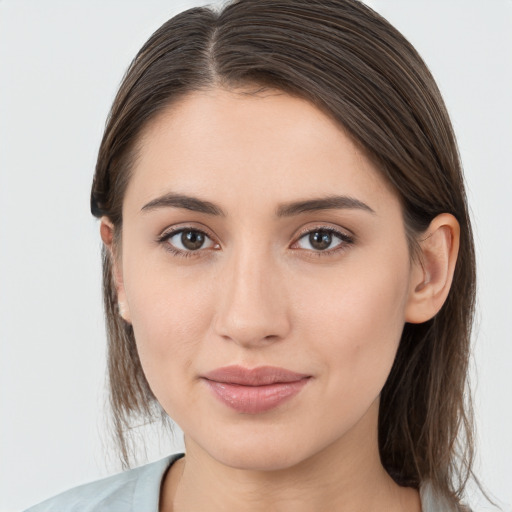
345	240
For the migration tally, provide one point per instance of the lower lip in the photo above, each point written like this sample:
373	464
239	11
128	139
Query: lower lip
255	399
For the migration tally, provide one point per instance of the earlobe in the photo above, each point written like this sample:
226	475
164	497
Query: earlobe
107	232
433	269
107	236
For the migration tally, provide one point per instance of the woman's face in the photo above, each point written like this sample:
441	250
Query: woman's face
288	251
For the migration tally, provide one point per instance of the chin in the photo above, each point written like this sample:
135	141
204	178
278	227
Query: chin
260	459
260	450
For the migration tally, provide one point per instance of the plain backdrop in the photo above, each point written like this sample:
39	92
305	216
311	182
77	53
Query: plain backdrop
60	65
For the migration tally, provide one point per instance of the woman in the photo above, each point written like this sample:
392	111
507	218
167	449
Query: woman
288	266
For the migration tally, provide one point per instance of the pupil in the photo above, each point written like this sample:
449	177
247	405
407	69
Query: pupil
320	239
192	239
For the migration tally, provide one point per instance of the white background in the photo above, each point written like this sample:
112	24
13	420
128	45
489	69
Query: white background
60	65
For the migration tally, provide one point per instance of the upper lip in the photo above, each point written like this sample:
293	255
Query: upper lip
260	376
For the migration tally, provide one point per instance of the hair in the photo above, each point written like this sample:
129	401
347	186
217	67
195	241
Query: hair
353	65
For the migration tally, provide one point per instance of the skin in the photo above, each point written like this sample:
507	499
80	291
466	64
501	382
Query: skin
258	293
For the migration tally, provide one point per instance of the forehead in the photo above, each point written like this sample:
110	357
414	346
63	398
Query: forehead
249	148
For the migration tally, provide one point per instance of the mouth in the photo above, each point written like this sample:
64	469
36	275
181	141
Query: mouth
256	390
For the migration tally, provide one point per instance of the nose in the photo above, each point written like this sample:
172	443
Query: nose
252	308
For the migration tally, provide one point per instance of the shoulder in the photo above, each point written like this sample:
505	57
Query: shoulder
133	490
433	501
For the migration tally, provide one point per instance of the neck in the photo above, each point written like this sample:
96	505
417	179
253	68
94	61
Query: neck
345	476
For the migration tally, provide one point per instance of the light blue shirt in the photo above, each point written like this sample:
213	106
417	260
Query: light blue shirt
138	490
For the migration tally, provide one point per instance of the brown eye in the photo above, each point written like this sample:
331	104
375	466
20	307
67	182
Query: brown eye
320	239
186	241
192	240
324	241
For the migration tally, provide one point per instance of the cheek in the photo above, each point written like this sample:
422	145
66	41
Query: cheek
358	321
169	317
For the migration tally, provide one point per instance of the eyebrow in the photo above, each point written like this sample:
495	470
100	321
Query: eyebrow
330	202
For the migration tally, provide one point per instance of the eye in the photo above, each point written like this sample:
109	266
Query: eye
322	239
186	241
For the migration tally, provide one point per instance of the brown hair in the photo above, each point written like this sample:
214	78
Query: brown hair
352	64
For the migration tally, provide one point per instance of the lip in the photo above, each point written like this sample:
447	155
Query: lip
254	390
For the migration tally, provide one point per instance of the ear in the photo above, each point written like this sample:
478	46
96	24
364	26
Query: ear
432	271
107	235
